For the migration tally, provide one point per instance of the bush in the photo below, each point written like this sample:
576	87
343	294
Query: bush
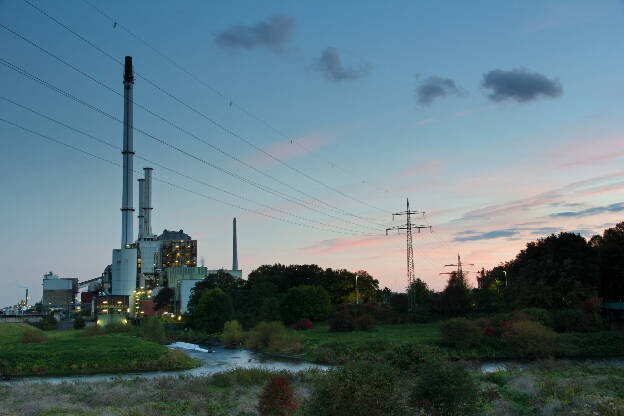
530	339
303	324
33	335
570	320
342	321
277	398
364	323
214	308
538	315
408	357
273	335
48	323
79	323
460	333
398	302
117	328
153	329
232	334
359	388
444	388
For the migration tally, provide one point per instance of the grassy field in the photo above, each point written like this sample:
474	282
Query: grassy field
548	389
70	352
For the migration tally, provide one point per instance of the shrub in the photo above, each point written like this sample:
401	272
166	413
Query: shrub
444	388
153	329
241	377
303	324
539	315
359	388
232	334
32	335
408	357
342	321
460	333
530	339
277	398
79	323
117	328
364	323
569	320
273	335
398	302
214	308
48	323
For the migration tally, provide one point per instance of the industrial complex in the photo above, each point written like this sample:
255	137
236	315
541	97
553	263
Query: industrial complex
140	267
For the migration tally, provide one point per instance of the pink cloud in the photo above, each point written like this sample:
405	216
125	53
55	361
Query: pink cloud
290	149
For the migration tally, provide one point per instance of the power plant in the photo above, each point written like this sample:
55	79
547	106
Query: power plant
140	267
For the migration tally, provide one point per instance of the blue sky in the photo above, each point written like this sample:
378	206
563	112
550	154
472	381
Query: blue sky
502	121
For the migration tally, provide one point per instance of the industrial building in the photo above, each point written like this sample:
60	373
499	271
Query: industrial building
139	267
58	293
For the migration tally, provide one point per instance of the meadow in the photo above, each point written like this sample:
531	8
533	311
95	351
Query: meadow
28	351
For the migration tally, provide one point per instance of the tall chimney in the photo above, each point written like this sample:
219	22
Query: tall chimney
147	202
127	232
141	205
234	248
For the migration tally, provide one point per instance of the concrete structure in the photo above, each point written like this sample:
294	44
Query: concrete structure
58	293
185	288
177	274
177	249
141	216
124	271
234	246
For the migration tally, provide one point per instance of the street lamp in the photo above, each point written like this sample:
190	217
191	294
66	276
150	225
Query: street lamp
357	294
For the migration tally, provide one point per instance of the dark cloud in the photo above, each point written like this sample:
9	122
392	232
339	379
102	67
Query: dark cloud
435	87
617	207
520	85
332	68
510	232
272	34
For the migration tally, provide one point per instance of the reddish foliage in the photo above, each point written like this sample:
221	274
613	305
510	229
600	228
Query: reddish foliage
277	398
303	324
492	332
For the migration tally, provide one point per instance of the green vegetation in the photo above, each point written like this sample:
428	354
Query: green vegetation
68	352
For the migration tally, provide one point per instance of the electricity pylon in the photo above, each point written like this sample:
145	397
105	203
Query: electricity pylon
408	226
460	271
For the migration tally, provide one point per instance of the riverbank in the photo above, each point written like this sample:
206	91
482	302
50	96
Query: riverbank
549	388
71	352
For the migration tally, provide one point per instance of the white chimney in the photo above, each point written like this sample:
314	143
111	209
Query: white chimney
147	202
141	204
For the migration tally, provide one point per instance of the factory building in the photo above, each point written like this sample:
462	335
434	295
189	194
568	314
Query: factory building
58	293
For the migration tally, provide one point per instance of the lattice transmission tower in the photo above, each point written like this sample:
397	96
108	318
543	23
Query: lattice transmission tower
408	227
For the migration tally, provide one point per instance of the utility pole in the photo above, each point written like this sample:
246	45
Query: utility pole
408	226
460	271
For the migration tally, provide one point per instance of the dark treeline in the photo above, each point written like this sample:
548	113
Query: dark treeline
286	293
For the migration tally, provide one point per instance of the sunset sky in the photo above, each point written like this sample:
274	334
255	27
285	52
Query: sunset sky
502	120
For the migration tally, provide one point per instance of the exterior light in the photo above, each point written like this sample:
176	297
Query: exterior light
179	317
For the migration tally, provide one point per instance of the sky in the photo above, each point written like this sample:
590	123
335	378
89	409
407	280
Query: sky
311	123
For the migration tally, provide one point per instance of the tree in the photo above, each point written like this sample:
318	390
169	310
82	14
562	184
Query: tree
310	302
420	294
610	249
212	311
490	294
164	299
398	302
555	272
456	298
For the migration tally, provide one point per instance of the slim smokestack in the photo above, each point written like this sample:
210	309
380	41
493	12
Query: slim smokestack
141	204
234	248
127	231
147	202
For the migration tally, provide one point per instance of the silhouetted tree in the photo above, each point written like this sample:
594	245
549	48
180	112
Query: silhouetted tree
164	299
456	299
610	249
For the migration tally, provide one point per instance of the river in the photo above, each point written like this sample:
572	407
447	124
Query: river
213	360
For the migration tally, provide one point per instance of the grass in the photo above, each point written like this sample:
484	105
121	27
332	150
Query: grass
549	388
68	352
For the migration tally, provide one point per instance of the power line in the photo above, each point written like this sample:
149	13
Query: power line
206	117
110	162
115	147
230	101
243	179
164	119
